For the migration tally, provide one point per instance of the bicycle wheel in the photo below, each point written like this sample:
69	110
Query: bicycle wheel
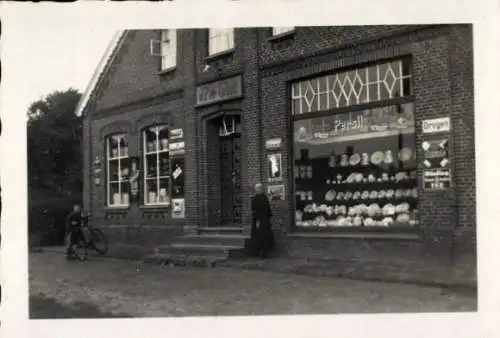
99	241
80	250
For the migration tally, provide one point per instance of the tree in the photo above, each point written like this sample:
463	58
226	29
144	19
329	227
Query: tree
54	158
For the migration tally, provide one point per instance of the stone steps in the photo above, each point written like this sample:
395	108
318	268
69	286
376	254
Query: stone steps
183	260
203	248
214	239
221	231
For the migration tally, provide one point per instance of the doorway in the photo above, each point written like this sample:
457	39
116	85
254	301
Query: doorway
230	173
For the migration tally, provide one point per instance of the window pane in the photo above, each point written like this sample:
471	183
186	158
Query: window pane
372	74
164	165
282	30
114	194
296	106
151	194
113	170
220	40
406	67
151	165
407	88
163	196
360	170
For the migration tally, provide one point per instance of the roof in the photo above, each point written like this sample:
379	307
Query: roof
101	70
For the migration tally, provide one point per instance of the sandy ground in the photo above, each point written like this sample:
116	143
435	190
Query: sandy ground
109	287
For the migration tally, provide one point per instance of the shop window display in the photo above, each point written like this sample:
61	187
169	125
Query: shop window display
356	168
118	167
156	166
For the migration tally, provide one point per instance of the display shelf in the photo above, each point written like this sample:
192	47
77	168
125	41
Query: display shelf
162	151
157	177
116	158
380	201
394	228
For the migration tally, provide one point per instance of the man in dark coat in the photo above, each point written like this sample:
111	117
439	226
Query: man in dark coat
262	236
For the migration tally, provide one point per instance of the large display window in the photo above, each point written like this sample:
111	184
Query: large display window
357	168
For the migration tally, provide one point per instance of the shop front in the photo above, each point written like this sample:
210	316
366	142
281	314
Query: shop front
354	150
361	158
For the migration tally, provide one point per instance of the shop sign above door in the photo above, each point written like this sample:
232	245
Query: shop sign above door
222	90
439	125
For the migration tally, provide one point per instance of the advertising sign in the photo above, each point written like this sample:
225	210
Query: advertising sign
438	125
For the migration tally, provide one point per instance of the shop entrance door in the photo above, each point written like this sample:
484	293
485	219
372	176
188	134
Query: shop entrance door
230	167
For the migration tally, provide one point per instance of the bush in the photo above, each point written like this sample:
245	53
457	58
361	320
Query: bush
46	221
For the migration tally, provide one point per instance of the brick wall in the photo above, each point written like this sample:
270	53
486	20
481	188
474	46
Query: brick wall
442	66
309	41
438	84
132	96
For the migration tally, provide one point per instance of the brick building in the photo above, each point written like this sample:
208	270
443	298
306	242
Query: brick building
363	136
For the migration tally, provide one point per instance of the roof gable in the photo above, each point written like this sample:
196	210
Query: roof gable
101	70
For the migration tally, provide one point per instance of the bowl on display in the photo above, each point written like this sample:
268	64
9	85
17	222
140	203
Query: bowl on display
368	221
355	159
405	154
330	195
414	192
387	221
377	157
373	195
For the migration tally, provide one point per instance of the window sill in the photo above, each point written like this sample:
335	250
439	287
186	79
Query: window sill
219	55
409	236
117	208
155	206
168	70
282	36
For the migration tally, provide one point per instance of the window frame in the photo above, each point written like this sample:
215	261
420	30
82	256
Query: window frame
218	34
359	105
404	99
119	158
168	49
281	31
157	151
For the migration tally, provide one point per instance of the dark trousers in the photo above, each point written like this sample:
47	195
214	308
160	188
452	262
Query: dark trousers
262	240
74	237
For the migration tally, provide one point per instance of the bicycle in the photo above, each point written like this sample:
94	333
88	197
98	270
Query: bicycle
90	238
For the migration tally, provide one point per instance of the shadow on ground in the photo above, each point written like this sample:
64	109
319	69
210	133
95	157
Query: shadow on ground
47	308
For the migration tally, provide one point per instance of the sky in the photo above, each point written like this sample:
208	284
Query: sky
55	60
